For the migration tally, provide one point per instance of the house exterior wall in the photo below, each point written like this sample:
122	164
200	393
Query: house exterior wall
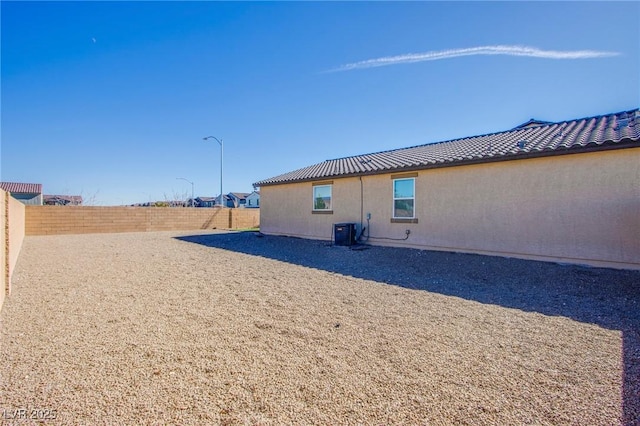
253	200
577	208
205	203
232	201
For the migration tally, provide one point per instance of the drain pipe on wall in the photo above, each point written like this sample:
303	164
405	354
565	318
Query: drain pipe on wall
362	228
368	227
361	209
406	233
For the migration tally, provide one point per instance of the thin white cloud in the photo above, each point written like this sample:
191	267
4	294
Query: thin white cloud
437	55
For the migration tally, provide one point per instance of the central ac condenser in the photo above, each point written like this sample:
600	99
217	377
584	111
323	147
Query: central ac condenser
344	234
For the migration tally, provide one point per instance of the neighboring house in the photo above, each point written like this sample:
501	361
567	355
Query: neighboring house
206	201
566	191
163	203
236	199
62	200
26	193
232	200
253	200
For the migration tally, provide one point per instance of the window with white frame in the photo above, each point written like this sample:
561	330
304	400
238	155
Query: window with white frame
322	197
404	198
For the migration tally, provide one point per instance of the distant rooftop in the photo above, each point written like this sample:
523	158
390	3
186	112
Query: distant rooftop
534	138
21	188
71	199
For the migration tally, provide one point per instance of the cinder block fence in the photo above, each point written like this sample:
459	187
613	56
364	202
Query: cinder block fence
12	228
51	220
18	220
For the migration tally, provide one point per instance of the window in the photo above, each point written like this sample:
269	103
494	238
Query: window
322	197
403	198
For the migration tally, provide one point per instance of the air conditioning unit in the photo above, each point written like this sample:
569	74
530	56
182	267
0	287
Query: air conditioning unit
344	234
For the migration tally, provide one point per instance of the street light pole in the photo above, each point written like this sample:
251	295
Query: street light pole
221	153
192	200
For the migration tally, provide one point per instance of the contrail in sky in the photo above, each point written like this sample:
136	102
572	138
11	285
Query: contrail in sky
437	55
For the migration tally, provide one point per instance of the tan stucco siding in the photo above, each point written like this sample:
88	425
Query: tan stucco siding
579	208
288	209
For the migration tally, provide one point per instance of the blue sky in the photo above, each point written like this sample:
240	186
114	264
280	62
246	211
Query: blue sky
111	100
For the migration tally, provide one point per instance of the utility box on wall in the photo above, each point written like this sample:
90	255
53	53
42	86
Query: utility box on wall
344	234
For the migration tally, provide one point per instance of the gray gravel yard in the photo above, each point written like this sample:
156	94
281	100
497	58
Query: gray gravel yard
239	328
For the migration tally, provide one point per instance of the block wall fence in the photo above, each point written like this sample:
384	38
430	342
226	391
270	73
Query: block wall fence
18	220
12	227
53	220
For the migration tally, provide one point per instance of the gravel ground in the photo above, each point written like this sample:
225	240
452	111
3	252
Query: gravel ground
236	328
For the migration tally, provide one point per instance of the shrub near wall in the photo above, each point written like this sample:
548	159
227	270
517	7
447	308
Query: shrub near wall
51	220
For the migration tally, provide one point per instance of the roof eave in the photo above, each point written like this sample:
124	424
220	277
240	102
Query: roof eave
605	146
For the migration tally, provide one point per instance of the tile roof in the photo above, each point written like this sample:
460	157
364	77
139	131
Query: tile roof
21	188
534	138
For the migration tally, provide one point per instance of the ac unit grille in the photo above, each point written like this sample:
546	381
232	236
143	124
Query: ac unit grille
344	234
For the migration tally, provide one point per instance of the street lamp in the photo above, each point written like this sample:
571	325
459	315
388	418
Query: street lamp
221	147
192	200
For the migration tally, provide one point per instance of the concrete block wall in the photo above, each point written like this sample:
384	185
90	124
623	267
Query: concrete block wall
4	247
12	228
244	218
52	220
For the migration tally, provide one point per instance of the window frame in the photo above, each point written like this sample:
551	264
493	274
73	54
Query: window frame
313	197
394	199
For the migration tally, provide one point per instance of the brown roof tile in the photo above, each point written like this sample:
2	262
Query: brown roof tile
21	188
532	139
